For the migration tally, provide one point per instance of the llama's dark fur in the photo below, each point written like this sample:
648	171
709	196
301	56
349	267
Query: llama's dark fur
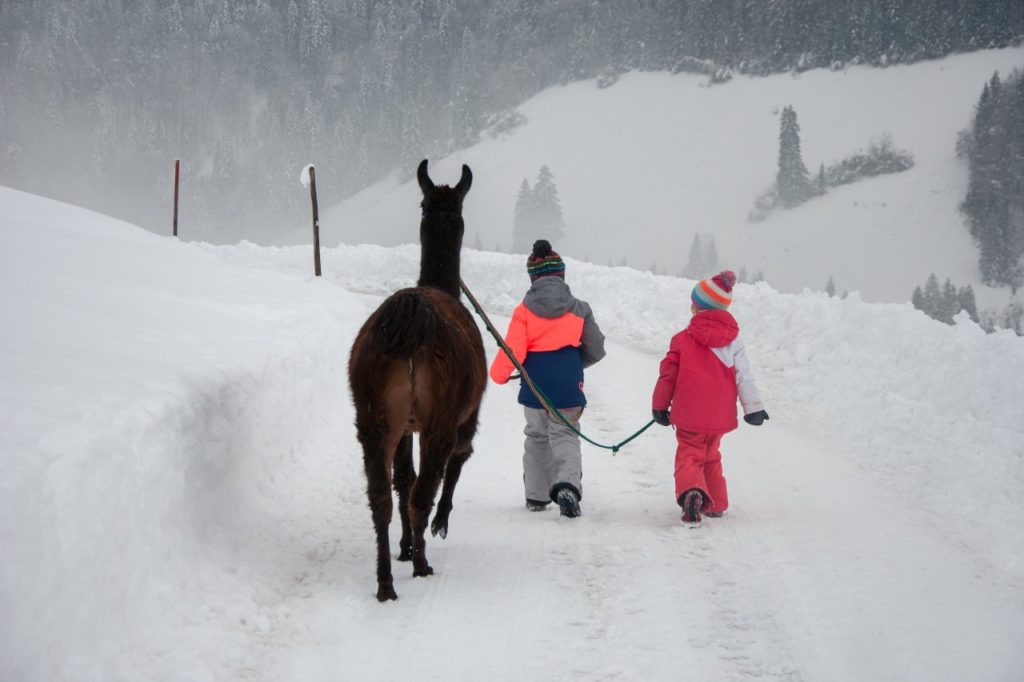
418	365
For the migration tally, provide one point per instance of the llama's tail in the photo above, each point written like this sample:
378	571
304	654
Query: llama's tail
406	322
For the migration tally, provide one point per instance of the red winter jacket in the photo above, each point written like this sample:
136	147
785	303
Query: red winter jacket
703	373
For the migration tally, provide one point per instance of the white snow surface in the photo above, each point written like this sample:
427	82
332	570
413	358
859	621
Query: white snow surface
644	165
183	498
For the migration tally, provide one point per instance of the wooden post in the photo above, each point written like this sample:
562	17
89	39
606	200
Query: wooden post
316	222
177	168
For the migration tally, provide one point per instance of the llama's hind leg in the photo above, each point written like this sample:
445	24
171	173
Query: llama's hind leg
405	476
452	471
378	491
433	453
439	526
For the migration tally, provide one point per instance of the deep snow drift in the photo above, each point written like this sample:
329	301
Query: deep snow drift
182	496
644	165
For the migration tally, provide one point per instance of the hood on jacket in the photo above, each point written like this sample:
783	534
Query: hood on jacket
549	297
713	328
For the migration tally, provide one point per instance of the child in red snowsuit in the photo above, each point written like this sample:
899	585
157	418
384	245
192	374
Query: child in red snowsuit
701	376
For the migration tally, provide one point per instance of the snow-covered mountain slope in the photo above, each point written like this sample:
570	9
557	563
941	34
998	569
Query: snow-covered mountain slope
183	496
644	165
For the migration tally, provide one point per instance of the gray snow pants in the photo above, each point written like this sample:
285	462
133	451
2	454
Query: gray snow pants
551	457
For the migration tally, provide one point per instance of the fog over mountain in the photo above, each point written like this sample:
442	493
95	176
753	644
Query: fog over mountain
98	97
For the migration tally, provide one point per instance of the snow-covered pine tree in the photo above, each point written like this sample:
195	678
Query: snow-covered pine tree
792	180
523	220
950	304
966	302
994	204
932	299
538	213
917	299
702	259
695	260
710	256
550	223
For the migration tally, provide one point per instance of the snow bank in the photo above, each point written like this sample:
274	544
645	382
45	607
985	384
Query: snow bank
145	388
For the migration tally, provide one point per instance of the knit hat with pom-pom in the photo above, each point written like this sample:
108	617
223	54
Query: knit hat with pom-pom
714	293
544	261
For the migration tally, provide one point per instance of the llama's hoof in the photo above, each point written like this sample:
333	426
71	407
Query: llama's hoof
405	555
422	572
386	593
439	528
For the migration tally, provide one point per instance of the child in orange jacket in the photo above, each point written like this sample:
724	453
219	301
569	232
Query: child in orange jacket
554	336
700	379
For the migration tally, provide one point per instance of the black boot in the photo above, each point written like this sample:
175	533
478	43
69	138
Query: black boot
568	503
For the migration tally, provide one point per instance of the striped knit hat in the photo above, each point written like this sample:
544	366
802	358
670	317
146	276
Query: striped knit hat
715	292
544	261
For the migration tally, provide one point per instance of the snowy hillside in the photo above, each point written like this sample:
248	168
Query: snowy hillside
644	165
183	496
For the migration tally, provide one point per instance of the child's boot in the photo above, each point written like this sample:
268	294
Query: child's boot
692	500
568	503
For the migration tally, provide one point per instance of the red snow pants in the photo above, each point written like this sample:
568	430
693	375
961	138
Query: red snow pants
699	465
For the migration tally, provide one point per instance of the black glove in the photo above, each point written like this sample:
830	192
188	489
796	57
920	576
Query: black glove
661	416
756	418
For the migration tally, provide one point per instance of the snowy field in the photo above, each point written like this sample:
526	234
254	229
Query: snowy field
644	165
182	497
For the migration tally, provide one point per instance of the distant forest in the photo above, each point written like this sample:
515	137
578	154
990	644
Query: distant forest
98	97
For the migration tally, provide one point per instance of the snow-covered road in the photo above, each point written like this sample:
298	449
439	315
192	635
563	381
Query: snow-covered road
183	495
815	573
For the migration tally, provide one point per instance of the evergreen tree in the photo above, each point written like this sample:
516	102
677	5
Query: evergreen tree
917	299
702	259
792	179
945	302
538	213
949	304
710	255
523	220
965	301
932	299
994	204
1015	318
694	268
550	223
830	287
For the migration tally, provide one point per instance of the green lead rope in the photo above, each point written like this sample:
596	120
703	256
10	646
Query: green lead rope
552	410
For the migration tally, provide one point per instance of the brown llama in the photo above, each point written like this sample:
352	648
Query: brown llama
418	365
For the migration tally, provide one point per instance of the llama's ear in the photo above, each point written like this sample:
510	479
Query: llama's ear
464	182
426	185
